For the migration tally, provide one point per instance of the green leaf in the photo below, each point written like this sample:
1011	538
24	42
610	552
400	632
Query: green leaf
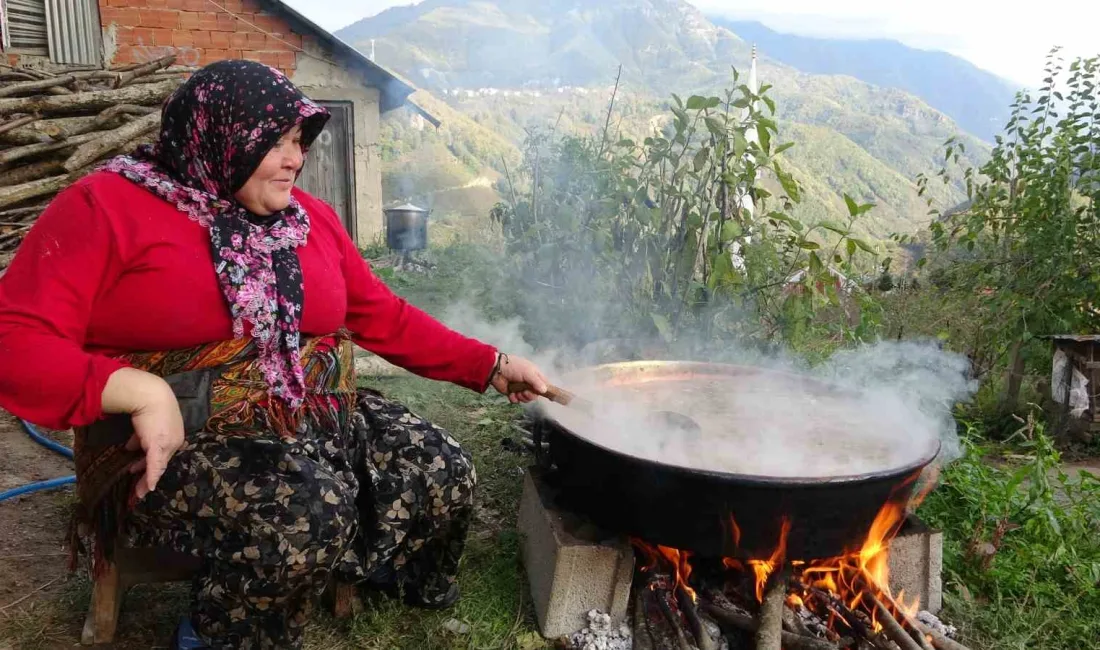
626	142
862	244
664	327
816	267
700	160
730	230
851	244
855	209
699	103
833	226
808	245
740	144
765	137
715	125
770	102
781	148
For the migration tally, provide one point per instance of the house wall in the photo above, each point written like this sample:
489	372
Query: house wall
320	77
136	31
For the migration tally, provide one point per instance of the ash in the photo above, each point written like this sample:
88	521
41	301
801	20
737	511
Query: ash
933	622
599	635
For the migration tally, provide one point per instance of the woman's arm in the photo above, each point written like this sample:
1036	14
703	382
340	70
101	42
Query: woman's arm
46	298
384	323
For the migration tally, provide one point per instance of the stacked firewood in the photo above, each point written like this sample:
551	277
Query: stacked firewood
56	127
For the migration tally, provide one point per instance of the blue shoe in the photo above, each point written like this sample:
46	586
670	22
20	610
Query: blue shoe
186	638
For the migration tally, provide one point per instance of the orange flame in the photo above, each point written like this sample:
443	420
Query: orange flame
856	580
764	568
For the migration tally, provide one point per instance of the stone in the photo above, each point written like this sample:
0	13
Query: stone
371	365
571	572
916	565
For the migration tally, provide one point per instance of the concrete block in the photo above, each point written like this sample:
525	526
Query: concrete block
571	566
916	564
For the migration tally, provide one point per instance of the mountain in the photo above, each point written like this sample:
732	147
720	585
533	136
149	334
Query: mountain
977	100
507	65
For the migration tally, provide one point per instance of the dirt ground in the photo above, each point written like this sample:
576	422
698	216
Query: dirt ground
42	604
32	527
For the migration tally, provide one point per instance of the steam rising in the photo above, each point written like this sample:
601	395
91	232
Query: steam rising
887	406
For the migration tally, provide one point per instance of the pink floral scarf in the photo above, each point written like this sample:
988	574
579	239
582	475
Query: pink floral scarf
216	129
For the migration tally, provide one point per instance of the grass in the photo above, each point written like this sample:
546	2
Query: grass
1021	547
494	600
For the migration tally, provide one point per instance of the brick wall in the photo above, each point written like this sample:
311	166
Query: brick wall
197	32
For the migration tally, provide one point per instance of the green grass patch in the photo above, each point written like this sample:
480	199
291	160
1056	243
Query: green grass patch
1021	547
494	604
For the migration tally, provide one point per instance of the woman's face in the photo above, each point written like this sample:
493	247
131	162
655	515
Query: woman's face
268	189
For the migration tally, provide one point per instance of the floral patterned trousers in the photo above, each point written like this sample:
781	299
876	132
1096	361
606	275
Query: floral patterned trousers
386	503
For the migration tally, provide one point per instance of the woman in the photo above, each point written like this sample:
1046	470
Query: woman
190	314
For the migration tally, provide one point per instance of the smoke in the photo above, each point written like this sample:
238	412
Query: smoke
874	408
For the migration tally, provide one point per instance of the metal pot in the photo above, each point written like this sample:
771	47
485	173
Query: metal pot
692	509
406	228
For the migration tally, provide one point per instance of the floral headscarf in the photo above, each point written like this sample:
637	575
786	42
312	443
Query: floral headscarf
215	131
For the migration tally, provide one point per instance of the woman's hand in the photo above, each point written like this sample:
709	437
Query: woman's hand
158	423
518	369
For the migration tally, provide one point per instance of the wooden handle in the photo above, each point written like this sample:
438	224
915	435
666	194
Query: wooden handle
553	393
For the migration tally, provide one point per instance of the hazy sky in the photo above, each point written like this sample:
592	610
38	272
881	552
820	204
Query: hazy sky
1010	43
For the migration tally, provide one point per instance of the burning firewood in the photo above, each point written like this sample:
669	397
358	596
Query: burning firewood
55	128
769	634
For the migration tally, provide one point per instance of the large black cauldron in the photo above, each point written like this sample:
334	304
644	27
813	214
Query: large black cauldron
713	513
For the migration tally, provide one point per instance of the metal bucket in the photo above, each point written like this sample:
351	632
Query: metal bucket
406	228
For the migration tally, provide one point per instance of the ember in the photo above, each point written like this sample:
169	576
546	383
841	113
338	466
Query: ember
688	602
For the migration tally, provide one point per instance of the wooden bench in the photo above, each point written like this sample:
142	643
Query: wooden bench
134	566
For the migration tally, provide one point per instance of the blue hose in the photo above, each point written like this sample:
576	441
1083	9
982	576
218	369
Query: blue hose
41	485
46	442
37	487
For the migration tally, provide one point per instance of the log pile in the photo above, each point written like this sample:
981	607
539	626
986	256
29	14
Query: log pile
56	127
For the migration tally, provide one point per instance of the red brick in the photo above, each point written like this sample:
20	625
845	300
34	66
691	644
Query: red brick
161	37
233	6
190	20
219	40
227	23
163	18
213	54
251	6
208	22
183	39
267	58
202	39
294	39
141	36
268	23
156	4
287	60
124	56
254	41
198	6
178	5
119	16
238	40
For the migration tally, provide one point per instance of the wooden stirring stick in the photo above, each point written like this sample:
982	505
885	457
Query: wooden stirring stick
554	394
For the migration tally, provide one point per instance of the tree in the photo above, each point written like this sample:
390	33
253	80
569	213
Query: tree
1027	241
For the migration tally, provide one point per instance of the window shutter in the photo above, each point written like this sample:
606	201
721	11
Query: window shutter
74	33
25	26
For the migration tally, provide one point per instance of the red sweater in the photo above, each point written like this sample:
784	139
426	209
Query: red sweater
110	268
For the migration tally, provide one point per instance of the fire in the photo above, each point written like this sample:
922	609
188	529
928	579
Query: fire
836	588
764	568
679	560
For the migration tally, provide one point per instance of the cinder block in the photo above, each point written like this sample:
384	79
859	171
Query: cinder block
571	567
916	564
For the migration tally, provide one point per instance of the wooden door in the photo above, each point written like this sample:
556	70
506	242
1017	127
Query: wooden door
329	170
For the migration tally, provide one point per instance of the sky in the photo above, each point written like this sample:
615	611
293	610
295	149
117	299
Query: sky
1012	44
